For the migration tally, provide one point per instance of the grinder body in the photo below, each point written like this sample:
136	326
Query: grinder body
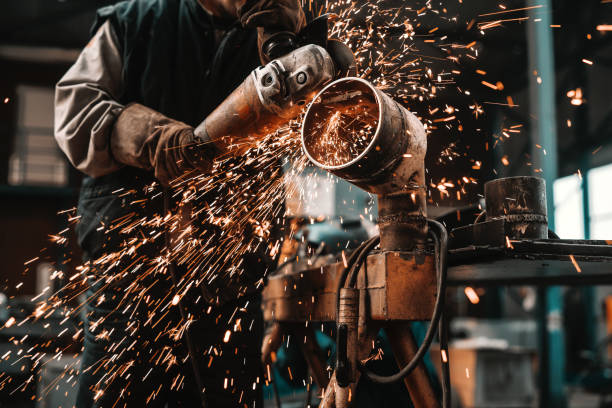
269	96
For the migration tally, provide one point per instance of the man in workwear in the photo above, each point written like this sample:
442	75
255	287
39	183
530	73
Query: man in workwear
125	115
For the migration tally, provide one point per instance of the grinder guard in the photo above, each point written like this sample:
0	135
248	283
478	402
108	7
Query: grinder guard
270	96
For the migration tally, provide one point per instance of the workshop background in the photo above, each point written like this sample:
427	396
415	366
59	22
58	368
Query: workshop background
557	124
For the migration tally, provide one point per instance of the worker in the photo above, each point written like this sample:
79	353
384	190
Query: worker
125	114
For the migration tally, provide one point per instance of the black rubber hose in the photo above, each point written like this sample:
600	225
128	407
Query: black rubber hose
349	264
443	335
445	365
443	332
441	250
363	255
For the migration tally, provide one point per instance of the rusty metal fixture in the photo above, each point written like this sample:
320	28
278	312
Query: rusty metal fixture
377	301
401	220
270	96
521	203
389	279
357	132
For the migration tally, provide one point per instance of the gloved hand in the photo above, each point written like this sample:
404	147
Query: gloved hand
270	17
147	139
278	15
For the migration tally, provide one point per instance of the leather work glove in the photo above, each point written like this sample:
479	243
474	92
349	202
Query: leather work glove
145	138
280	15
270	17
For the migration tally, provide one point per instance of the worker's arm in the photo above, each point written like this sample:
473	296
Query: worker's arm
99	135
86	106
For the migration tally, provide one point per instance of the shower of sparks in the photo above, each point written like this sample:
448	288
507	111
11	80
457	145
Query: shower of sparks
342	126
223	220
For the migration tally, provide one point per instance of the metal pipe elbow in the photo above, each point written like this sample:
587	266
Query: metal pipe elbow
357	132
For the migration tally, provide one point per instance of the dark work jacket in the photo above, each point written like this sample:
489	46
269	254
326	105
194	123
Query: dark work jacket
171	64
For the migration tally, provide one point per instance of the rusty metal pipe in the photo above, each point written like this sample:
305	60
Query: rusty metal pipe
521	202
382	152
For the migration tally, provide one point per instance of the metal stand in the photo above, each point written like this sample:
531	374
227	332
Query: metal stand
296	301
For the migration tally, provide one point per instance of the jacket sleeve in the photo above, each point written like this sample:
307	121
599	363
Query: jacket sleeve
86	106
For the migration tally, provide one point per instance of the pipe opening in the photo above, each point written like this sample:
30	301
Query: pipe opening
341	123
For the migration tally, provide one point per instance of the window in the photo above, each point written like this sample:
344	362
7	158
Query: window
600	202
569	210
36	160
569	217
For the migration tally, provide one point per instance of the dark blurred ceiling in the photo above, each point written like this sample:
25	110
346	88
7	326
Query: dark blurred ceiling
53	23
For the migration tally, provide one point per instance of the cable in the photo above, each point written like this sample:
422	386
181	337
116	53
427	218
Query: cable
443	334
479	217
445	365
353	265
349	264
363	254
441	250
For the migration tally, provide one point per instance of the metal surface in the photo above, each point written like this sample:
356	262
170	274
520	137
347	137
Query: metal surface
401	221
532	262
393	159
521	202
390	279
397	287
314	356
389	161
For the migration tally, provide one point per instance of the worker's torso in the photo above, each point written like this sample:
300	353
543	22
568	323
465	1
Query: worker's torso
173	62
